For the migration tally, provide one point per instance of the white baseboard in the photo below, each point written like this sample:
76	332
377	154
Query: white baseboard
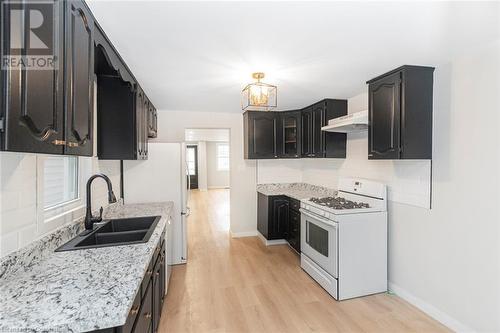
430	310
271	242
243	234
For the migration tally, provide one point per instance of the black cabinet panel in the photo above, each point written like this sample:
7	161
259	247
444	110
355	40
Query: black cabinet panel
261	134
400	114
334	144
312	136
145	316
384	113
32	108
294	230
152	121
279	221
79	75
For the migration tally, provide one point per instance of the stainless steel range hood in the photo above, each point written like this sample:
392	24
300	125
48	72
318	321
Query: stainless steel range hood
354	122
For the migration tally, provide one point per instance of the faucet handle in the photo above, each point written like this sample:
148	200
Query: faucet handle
98	219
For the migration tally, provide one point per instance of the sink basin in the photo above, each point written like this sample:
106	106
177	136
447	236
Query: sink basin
115	232
128	224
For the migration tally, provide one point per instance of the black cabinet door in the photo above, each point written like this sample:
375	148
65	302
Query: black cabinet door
79	57
143	128
262	135
306	138
384	100
317	135
145	317
140	103
279	222
334	144
33	104
291	133
157	301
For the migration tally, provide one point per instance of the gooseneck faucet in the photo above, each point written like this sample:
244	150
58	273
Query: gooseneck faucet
89	219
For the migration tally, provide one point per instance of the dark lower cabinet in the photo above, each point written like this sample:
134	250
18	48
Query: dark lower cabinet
278	217
145	314
293	236
400	114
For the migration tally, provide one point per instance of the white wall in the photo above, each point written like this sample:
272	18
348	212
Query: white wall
243	197
215	178
21	219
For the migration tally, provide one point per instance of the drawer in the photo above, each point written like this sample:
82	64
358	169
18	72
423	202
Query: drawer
134	311
294	204
147	278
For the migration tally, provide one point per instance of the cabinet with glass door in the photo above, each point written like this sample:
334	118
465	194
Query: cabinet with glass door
290	124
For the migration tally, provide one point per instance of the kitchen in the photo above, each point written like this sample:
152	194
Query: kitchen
135	112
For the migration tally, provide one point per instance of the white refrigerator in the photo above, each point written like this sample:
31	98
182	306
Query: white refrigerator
162	177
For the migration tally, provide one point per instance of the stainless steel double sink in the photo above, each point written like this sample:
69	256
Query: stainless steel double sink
115	232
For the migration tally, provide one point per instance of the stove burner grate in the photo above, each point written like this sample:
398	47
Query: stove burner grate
339	203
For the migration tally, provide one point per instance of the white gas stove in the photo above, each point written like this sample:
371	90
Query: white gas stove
344	239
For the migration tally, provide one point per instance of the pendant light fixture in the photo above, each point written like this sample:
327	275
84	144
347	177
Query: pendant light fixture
259	96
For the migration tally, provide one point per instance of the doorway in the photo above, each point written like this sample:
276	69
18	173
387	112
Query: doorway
192	164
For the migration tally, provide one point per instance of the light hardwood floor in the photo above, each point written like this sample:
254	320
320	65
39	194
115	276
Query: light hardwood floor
239	285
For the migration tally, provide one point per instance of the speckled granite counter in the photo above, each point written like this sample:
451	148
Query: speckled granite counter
77	291
297	191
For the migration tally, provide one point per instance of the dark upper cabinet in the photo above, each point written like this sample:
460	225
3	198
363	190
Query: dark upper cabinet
79	76
290	124
261	135
122	106
152	122
400	114
293	134
312	136
334	144
32	110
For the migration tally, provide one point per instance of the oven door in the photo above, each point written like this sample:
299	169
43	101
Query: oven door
318	240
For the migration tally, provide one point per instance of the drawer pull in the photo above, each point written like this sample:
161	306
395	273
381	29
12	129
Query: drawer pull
157	273
148	315
149	272
59	143
135	310
73	144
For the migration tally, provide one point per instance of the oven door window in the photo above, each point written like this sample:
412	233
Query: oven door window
317	238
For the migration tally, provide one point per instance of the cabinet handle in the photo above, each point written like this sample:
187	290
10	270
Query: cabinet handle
73	144
149	272
148	315
59	142
135	310
157	273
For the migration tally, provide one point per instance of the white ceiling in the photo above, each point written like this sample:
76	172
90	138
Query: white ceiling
199	55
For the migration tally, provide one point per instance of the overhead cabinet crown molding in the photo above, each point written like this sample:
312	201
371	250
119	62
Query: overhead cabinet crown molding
52	110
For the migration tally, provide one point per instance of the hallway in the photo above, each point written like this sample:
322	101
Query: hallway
239	285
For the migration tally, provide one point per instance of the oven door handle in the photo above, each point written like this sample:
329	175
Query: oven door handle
319	218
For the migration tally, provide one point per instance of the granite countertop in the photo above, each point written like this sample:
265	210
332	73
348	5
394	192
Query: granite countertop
297	191
82	290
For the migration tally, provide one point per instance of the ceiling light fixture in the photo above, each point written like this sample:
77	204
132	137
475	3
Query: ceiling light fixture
259	96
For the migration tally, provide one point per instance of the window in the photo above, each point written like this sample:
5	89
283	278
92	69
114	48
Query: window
191	160
60	180
222	156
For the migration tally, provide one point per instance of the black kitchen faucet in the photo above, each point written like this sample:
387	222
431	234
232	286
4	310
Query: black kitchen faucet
89	219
